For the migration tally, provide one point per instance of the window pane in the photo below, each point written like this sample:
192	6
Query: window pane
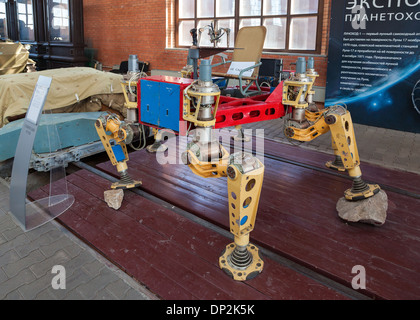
184	35
3	21
276	33
225	8
205	8
186	9
303	33
59	20
227	23
275	7
26	22
21	6
250	8
205	38
249	22
304	6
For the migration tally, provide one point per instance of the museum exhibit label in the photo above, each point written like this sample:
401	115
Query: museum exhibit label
373	62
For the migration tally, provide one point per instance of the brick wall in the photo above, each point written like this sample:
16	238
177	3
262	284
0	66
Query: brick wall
120	28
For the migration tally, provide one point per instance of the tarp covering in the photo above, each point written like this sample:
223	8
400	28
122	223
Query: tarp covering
76	89
13	57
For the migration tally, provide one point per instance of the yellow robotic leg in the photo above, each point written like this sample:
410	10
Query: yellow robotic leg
338	120
342	133
241	259
114	134
207	158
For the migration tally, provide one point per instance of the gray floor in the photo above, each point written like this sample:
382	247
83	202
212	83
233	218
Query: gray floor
27	259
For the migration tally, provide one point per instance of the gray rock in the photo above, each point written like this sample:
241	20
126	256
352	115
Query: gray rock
372	210
114	198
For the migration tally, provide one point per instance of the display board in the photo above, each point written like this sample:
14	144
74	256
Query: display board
373	62
33	212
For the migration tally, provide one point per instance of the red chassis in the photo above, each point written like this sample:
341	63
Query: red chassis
231	111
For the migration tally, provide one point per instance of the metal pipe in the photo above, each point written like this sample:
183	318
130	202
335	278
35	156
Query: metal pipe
133	63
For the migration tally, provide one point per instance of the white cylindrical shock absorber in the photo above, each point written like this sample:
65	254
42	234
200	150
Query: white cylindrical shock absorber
311	71
205	142
299	112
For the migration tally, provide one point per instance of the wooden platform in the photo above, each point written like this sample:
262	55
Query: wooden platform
178	259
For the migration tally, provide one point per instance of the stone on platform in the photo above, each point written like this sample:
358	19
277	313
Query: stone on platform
114	198
372	210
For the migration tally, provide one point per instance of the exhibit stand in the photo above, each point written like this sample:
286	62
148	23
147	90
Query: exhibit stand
46	203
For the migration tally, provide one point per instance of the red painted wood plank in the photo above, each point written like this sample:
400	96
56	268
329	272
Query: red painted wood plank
375	173
307	227
214	257
83	219
116	249
120	242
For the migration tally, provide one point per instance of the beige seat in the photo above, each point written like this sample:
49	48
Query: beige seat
249	45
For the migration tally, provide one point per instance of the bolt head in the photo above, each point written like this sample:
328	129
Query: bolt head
231	173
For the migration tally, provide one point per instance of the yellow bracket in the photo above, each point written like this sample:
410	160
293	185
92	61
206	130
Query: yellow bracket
191	116
129	104
214	169
310	133
313	77
301	84
313	116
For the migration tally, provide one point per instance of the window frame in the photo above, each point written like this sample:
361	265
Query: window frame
18	14
50	16
237	18
6	27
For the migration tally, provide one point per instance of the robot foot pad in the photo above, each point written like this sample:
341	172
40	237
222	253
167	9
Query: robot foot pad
332	165
370	191
240	138
157	147
126	185
241	265
337	165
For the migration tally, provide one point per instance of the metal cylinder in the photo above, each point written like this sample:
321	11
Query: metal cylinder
205	71
311	63
133	63
301	65
131	115
205	114
132	132
310	98
299	114
302	97
193	53
204	135
206	87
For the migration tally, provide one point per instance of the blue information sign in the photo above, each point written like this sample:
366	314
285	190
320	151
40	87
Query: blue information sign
374	62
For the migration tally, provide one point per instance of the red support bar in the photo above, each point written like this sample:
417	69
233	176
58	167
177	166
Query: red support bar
238	111
232	111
